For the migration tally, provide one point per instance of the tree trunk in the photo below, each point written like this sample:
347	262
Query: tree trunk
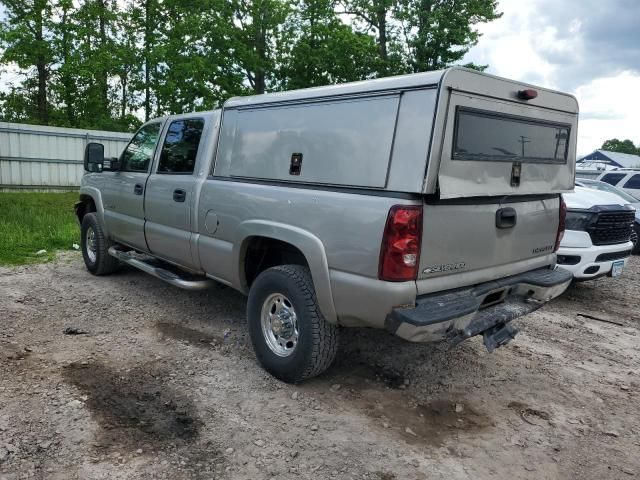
147	59
381	14
103	74
261	49
67	82
42	107
123	103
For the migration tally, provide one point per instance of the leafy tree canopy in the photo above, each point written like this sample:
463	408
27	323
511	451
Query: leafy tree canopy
621	146
110	64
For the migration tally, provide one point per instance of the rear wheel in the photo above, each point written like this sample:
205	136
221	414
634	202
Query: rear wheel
95	246
291	338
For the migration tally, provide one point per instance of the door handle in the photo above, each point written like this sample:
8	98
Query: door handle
179	195
506	217
138	189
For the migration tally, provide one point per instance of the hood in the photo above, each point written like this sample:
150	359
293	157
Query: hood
584	198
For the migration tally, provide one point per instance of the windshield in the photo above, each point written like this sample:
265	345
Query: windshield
605	187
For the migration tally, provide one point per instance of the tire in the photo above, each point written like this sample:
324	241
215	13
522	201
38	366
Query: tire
636	244
96	257
316	340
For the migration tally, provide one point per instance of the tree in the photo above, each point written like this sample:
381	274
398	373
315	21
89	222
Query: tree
25	36
65	88
438	33
95	31
421	35
257	36
127	68
197	71
108	64
377	17
621	146
320	49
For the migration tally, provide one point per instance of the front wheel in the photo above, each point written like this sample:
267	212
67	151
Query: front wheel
290	336
95	246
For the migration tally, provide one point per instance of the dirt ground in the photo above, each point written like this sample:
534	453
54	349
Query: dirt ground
163	384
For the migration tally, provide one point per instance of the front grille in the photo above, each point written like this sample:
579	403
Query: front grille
611	227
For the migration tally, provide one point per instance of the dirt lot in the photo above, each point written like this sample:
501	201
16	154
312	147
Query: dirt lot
164	384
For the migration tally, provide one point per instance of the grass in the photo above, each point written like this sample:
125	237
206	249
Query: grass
30	222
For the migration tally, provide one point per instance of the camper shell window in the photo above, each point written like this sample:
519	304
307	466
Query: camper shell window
489	136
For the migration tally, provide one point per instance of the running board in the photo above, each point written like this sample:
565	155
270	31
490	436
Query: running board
161	273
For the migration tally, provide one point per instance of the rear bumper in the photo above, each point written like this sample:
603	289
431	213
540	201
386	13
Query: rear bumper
456	315
594	261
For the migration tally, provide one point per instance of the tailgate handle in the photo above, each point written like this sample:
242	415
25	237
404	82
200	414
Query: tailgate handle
506	217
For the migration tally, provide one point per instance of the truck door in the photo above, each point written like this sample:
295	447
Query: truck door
124	192
169	196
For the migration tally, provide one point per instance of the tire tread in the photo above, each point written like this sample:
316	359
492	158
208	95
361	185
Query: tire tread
324	334
105	263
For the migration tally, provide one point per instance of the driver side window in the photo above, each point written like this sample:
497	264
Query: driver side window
138	154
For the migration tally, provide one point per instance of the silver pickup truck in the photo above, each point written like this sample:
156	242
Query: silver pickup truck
428	205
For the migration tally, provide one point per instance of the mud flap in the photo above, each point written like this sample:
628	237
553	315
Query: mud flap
498	336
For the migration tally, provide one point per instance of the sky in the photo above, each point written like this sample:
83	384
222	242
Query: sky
590	48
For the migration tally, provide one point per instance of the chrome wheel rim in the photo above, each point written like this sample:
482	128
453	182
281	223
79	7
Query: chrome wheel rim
91	245
279	324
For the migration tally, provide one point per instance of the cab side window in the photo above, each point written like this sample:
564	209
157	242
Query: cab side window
613	178
633	182
180	147
138	154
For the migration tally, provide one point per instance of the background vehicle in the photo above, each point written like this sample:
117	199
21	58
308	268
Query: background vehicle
628	199
597	236
349	205
626	179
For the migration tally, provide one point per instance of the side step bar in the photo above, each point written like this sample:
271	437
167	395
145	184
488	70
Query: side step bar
161	273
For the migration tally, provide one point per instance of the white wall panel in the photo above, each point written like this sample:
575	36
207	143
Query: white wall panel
38	156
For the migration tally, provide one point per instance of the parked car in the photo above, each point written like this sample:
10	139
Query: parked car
597	239
626	179
628	199
349	205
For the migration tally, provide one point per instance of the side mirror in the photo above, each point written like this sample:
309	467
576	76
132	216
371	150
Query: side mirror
94	157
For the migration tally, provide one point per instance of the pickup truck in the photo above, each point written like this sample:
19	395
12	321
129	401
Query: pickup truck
598	236
428	205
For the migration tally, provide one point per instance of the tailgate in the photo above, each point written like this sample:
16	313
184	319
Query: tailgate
461	238
487	142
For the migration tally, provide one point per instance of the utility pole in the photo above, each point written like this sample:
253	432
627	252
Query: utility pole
560	136
522	141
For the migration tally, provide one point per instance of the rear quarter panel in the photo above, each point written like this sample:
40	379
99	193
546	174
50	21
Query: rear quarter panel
349	226
348	229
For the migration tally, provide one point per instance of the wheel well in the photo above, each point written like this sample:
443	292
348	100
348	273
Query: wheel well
84	206
262	253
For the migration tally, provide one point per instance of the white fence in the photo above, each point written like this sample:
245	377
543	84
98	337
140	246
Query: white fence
38	157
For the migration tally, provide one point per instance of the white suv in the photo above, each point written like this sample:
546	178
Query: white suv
626	179
597	236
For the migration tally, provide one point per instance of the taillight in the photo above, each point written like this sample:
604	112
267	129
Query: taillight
400	252
561	223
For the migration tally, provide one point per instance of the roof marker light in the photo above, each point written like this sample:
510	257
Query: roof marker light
527	94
